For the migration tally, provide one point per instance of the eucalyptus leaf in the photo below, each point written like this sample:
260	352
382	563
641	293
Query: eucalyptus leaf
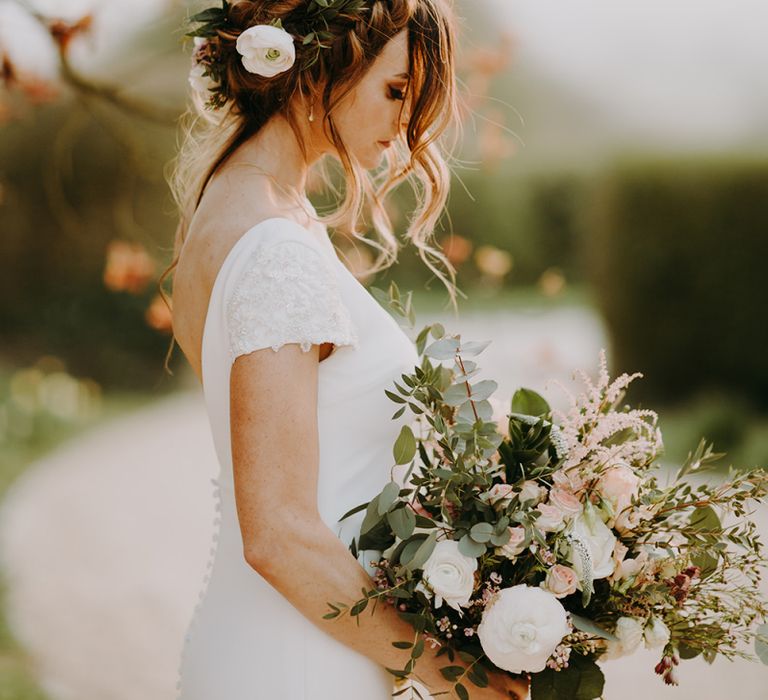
443	349
456	395
387	497
372	516
529	402
481	532
405	446
473	347
470	548
584	624
402	521
705	519
482	390
423	552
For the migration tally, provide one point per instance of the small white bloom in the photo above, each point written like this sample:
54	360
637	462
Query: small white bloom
656	633
600	541
521	628
450	574
629	637
266	50
200	83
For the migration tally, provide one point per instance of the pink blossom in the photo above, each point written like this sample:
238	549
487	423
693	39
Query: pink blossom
560	581
565	501
500	493
551	518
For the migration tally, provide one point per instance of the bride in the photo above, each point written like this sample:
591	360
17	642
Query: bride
292	352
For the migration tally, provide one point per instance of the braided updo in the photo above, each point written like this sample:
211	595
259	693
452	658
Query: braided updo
323	76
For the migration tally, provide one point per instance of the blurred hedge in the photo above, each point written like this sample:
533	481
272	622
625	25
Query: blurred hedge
677	254
75	177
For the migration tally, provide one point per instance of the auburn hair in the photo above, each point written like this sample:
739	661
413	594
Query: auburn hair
420	156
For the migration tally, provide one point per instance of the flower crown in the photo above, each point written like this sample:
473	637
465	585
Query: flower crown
265	49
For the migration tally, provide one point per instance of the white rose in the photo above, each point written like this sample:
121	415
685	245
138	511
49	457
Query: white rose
515	545
551	518
531	491
656	633
561	581
266	50
600	542
450	574
629	636
617	486
521	628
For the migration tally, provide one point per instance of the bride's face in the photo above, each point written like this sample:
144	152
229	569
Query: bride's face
376	110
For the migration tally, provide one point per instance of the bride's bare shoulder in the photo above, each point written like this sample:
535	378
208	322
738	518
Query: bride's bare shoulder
227	210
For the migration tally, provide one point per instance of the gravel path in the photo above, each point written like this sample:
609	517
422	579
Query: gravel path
103	543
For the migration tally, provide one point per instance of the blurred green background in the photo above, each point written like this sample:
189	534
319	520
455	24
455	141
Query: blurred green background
566	193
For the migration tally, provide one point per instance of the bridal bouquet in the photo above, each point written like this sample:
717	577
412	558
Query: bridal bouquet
541	542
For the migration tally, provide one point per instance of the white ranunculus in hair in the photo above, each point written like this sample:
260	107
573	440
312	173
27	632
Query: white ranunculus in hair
266	50
629	636
521	628
450	574
656	633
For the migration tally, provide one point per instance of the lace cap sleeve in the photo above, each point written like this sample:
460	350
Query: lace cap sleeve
286	293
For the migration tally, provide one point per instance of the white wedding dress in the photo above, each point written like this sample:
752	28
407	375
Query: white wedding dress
283	283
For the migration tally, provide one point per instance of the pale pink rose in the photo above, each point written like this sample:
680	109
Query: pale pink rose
551	518
617	486
500	492
531	491
569	480
515	545
565	501
560	581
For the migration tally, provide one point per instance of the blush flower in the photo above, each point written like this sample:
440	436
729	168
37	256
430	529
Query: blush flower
560	581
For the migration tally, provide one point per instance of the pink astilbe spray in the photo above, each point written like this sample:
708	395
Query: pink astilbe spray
593	419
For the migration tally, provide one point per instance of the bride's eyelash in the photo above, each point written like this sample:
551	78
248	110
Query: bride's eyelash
396	94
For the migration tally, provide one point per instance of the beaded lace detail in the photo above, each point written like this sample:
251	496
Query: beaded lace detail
287	293
206	579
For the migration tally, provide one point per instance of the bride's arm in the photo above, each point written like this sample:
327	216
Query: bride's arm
274	433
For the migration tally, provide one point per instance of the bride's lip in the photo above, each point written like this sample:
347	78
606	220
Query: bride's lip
386	144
